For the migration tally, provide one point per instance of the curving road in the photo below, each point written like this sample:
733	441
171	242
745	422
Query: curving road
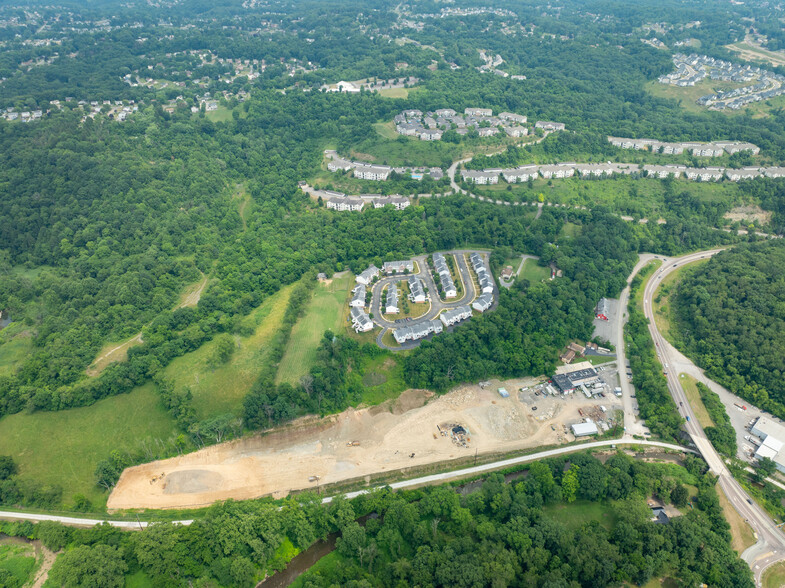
770	547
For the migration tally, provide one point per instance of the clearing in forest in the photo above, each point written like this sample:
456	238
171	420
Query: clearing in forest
356	444
84	436
327	310
118	352
220	389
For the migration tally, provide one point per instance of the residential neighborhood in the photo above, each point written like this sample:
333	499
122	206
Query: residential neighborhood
430	126
691	69
713	149
403	297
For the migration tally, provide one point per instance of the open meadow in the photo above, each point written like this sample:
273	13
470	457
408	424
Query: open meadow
327	310
63	448
220	389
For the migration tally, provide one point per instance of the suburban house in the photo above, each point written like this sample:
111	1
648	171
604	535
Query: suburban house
516	131
448	286
391	305
455	315
360	320
483	302
408	129
479	177
445	113
368	275
549	126
358	296
732	147
704	174
346	203
558	171
478	112
398	267
664	171
372	172
747	173
521	174
398	202
338	164
512	117
431	135
417	331
416	290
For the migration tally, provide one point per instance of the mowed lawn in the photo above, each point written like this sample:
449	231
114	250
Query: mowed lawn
220	390
326	311
63	448
534	272
574	515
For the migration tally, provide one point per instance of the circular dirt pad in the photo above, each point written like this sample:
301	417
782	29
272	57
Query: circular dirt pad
192	481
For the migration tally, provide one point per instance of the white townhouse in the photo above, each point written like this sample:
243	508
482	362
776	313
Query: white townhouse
479	177
372	172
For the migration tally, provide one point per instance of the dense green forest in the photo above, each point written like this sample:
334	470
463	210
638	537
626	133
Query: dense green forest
731	318
573	521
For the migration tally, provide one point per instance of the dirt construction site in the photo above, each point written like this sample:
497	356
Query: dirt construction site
415	430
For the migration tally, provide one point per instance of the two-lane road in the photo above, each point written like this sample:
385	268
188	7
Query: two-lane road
770	547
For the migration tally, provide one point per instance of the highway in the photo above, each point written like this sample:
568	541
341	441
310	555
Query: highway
770	547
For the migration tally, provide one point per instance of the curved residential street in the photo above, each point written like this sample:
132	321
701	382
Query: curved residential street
770	547
437	305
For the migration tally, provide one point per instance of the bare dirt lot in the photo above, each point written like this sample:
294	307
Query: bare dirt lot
353	444
749	213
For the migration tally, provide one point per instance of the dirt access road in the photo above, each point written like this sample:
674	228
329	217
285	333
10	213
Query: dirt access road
393	436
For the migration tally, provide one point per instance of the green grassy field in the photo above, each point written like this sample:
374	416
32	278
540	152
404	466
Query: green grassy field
742	535
220	114
774	577
574	515
693	396
16	343
19	559
397	92
622	194
63	448
138	580
662	299
220	390
533	272
327	310
382	379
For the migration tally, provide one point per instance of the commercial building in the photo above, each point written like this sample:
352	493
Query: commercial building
584	429
773	436
569	377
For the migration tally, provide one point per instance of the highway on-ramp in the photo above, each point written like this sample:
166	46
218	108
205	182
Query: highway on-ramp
770	547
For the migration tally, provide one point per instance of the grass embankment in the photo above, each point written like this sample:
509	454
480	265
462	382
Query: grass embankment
690	386
663	300
742	535
774	577
327	310
220	390
63	448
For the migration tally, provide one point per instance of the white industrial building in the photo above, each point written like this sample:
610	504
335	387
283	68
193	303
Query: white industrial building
773	436
584	429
